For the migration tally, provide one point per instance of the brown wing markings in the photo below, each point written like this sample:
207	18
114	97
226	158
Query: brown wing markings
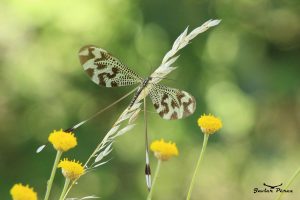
104	75
165	105
105	56
90	72
174	115
180	95
114	84
174	104
100	65
186	105
84	58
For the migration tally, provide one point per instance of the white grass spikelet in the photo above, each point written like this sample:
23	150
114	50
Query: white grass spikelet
134	116
201	29
183	39
124	130
40	148
102	163
104	153
113	130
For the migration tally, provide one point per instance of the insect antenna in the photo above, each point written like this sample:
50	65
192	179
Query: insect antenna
99	112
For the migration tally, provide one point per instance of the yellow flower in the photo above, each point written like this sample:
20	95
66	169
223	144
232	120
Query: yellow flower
209	124
62	141
164	150
22	192
71	169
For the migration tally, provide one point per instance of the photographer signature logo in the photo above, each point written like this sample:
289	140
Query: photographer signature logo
271	189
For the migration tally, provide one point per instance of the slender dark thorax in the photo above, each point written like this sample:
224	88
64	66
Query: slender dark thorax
139	94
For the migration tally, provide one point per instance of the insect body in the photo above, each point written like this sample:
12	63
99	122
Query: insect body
106	70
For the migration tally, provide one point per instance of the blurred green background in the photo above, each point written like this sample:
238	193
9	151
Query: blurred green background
246	71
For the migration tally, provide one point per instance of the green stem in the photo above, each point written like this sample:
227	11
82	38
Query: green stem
62	195
69	188
50	181
197	166
290	181
154	180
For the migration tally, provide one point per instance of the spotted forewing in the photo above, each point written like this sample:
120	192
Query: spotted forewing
104	69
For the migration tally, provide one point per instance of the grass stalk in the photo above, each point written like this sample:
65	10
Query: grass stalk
66	185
